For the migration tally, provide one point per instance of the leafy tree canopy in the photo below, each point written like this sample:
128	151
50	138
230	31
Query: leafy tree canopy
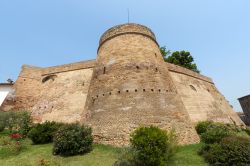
181	58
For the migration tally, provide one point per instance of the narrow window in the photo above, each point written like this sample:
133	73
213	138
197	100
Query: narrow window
137	67
104	70
135	90
127	91
144	90
156	69
192	87
109	93
159	90
152	90
103	94
119	91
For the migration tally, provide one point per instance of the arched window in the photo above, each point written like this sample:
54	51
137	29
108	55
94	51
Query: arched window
49	77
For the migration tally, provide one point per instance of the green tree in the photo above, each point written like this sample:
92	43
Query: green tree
181	58
165	53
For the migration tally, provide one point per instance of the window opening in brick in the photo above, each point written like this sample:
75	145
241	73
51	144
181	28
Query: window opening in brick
127	90
49	77
192	87
137	67
152	90
144	90
104	70
135	90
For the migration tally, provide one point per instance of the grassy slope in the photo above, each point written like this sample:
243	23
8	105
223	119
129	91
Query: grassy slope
187	156
31	156
101	155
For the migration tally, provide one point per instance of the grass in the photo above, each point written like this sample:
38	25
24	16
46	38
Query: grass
187	156
33	154
102	155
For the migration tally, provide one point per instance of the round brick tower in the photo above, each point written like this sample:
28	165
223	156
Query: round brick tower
131	87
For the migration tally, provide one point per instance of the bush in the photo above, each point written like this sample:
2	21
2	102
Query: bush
230	151
9	147
152	146
215	134
202	127
4	116
43	133
247	130
2	125
16	122
72	139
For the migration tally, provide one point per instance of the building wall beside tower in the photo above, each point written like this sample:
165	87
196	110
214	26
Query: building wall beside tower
245	104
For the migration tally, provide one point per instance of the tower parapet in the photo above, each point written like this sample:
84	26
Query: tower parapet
130	28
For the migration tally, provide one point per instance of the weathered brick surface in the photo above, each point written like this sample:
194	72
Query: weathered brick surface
129	85
202	99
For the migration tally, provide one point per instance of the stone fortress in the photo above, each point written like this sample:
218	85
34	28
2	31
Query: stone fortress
127	86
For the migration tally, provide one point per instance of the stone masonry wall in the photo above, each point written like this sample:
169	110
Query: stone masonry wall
201	98
63	96
131	87
27	87
56	93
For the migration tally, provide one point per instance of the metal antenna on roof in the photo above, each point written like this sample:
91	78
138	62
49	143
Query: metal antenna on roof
128	14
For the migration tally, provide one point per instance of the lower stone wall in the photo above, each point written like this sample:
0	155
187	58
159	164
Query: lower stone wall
53	94
203	101
58	94
63	97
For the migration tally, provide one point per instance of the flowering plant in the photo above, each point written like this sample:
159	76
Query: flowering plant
16	136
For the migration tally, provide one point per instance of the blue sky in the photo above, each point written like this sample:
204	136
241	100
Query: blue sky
53	32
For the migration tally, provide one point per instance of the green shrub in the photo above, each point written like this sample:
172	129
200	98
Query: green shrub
126	158
215	134
9	147
247	130
4	116
202	127
2	125
16	122
43	133
230	151
152	146
72	139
